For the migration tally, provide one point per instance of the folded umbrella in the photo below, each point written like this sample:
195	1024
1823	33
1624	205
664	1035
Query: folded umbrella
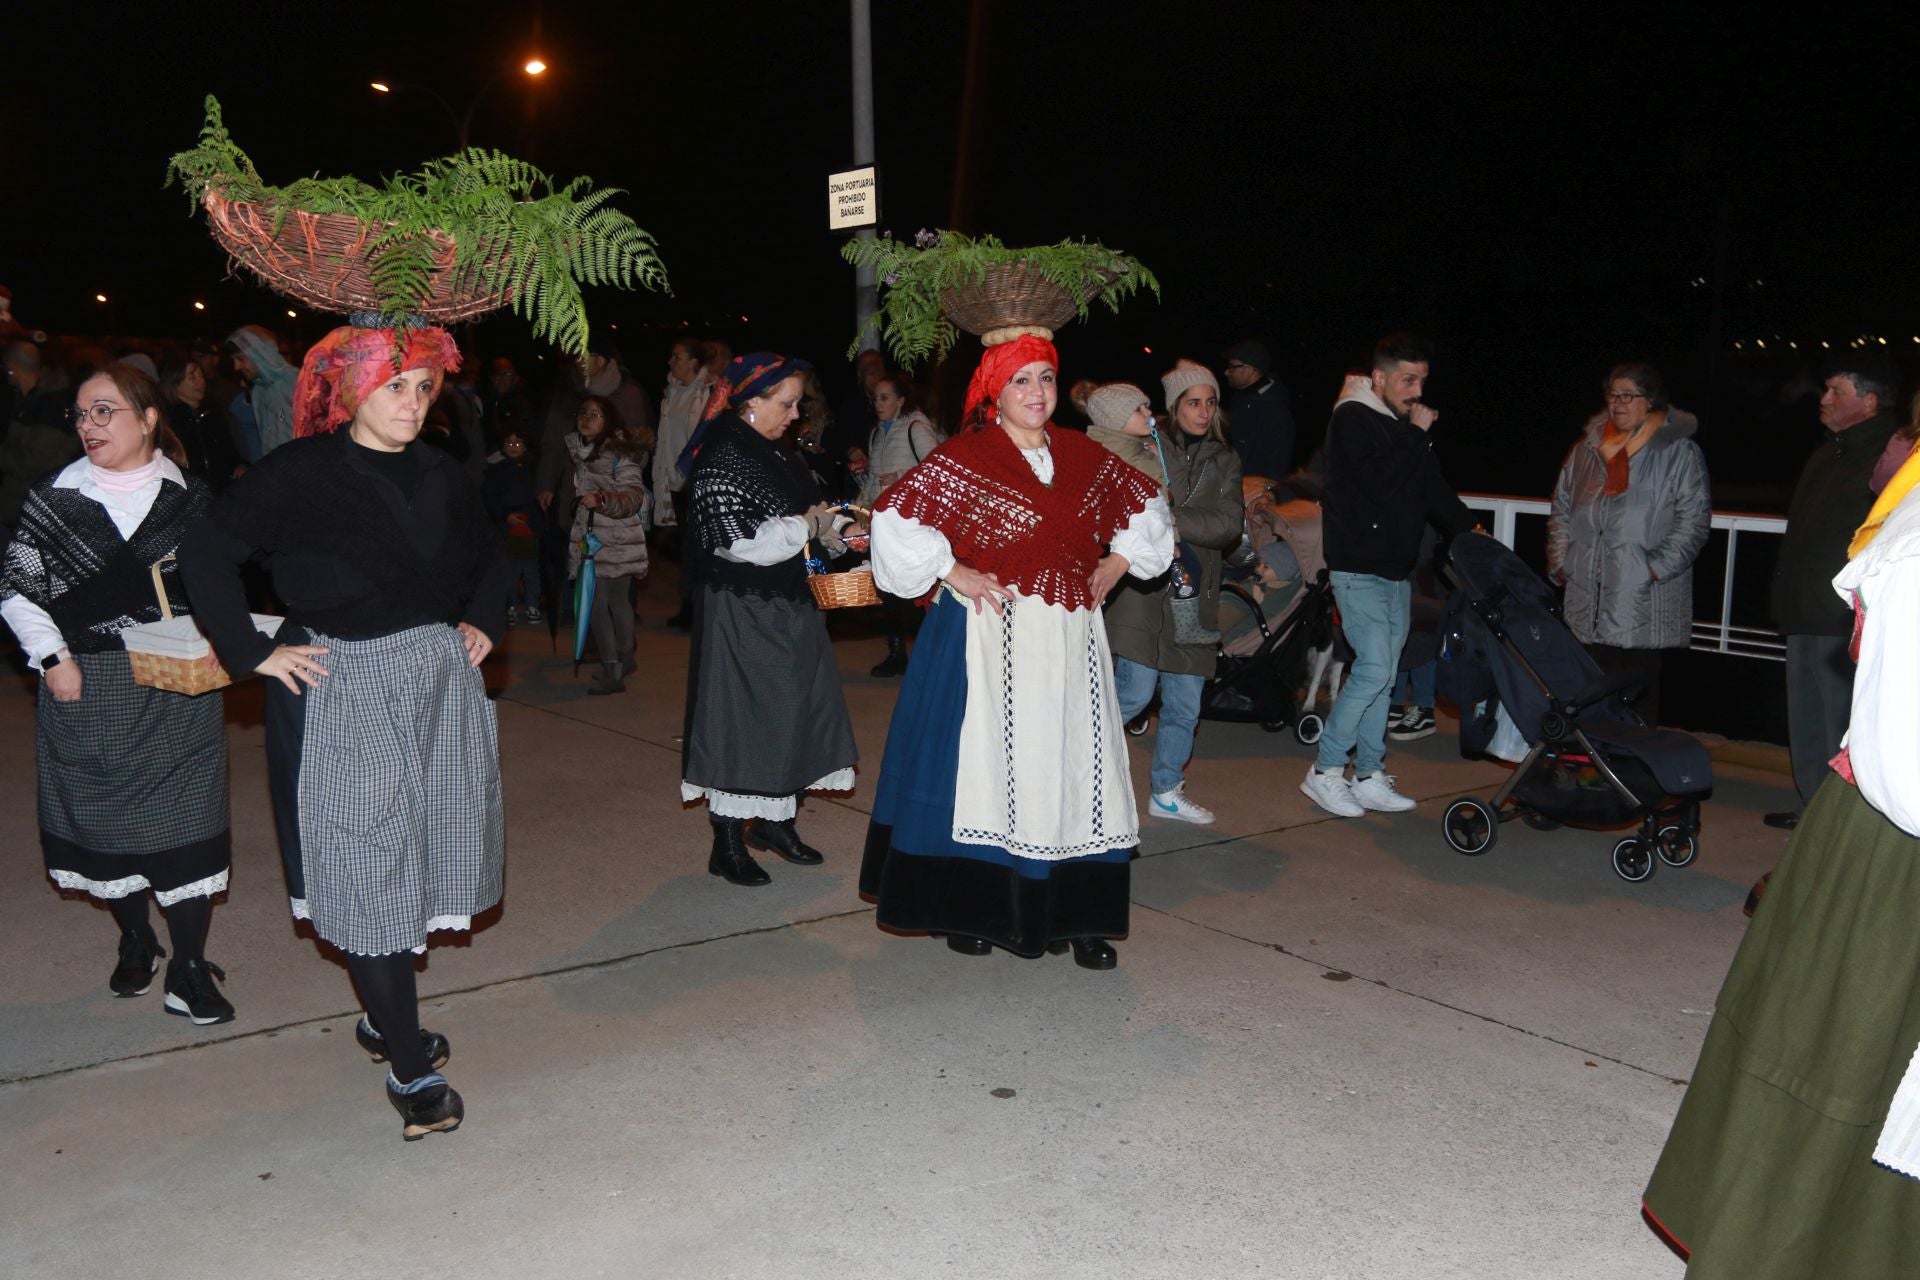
583	586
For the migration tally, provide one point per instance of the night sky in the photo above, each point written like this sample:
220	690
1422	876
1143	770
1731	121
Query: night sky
1537	187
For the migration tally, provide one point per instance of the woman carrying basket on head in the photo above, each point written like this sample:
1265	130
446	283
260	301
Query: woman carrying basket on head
382	753
132	781
765	716
1005	814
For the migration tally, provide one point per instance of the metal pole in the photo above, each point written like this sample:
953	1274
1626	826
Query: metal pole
866	291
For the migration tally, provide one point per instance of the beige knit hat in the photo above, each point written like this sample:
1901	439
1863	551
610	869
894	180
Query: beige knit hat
1184	376
1112	405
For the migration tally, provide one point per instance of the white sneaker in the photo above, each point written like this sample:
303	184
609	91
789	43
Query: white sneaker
1375	791
1175	805
1331	792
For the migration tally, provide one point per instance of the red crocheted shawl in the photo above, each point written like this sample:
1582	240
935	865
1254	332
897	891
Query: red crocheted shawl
1041	540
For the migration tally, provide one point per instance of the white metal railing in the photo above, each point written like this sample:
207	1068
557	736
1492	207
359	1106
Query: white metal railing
1721	635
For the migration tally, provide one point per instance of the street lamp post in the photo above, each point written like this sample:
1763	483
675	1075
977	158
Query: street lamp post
866	280
462	124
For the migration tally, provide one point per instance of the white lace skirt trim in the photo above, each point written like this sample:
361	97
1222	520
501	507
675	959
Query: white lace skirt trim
434	923
215	883
126	885
727	804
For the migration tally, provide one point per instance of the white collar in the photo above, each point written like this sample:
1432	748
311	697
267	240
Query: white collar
74	474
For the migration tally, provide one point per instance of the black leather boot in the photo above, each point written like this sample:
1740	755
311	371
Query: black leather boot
895	663
1094	953
730	859
780	837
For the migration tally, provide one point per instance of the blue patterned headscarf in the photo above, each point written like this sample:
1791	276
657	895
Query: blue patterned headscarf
758	371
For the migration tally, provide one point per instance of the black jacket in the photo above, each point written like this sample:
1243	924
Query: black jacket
1830	500
208	440
1383	486
1260	428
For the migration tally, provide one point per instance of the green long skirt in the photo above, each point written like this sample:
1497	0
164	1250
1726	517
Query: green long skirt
1769	1169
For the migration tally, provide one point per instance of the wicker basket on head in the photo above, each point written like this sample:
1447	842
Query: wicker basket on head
322	259
1010	299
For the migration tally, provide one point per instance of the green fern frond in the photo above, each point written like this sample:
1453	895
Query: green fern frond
914	276
513	230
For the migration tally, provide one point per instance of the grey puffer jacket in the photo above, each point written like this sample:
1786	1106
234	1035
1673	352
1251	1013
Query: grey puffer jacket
1627	560
620	478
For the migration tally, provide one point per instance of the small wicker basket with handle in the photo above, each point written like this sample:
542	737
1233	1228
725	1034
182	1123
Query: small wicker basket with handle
851	590
190	676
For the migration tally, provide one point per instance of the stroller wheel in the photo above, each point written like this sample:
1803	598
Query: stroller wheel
1308	728
1677	845
1540	821
1137	727
1470	826
1633	860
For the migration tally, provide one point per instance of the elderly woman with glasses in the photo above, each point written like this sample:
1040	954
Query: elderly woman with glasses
1630	514
132	780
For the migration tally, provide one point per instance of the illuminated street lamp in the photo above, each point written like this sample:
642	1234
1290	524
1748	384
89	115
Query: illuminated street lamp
462	124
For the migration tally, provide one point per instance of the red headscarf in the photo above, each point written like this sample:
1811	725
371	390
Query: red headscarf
1000	363
347	364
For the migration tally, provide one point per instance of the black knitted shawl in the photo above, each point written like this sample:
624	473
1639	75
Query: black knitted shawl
68	557
740	481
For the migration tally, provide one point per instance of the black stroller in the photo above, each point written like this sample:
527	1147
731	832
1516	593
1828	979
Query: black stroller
1592	762
1264	687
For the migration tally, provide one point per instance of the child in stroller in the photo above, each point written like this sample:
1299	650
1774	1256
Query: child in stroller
1277	632
1592	761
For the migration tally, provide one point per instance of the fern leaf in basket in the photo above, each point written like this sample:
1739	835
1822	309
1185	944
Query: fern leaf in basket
922	282
461	235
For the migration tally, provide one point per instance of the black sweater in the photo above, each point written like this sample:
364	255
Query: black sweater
352	555
1383	486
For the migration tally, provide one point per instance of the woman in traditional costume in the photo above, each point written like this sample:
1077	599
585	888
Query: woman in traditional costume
765	716
1005	815
1797	1146
382	753
132	780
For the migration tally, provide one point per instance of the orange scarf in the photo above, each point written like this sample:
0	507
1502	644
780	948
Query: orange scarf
1617	448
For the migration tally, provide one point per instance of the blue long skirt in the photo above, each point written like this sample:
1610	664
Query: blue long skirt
919	877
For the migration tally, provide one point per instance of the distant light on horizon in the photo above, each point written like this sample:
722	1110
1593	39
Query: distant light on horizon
199	306
534	67
381	88
99	297
1148	350
293	315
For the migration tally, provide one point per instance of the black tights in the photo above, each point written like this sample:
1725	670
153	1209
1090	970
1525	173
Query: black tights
392	1001
187	922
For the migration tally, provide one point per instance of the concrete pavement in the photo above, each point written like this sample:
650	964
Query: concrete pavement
1332	1049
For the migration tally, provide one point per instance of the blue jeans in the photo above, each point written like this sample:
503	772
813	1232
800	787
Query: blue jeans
1415	688
1134	683
1374	613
